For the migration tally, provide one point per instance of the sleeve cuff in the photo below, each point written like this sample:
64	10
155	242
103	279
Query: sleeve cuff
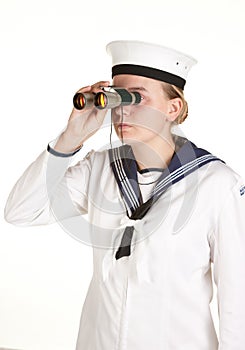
60	154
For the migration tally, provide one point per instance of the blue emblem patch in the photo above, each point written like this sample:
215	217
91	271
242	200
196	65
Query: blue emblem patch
242	190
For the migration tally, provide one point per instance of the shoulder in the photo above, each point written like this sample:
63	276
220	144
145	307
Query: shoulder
90	162
93	156
98	157
219	178
223	172
95	161
220	168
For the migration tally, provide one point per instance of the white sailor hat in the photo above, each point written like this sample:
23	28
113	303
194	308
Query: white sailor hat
150	60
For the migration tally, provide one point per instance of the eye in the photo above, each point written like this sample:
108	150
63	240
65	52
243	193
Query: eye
143	98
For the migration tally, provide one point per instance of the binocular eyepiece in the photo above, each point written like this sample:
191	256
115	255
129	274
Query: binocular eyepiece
106	99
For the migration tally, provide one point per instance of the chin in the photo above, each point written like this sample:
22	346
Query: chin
130	140
130	136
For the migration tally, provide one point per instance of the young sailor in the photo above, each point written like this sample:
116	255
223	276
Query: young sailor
160	212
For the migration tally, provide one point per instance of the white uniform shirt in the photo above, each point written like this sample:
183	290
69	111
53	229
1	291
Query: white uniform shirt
158	297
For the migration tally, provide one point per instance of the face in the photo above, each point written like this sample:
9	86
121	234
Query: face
146	121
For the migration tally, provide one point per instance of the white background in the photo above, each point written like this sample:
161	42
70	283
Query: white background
51	48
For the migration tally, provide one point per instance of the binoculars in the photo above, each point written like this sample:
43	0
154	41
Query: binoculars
112	98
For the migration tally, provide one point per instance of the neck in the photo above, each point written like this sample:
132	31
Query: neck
157	154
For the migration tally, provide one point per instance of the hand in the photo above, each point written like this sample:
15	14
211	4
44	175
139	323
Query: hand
82	124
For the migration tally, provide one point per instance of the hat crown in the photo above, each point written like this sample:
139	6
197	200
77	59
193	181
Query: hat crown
150	55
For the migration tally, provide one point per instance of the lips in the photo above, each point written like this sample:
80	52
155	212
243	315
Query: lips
124	125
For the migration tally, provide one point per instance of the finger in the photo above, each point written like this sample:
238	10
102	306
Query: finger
101	83
97	86
85	89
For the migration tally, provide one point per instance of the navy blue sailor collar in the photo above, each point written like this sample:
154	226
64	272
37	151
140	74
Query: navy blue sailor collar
186	159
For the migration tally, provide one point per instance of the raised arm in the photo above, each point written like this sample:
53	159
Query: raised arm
49	189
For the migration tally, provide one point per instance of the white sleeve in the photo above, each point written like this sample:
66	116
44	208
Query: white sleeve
229	269
49	190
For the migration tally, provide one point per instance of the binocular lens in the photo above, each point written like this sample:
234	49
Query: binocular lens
100	100
80	100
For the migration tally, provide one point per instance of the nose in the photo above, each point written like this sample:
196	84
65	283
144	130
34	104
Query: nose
121	111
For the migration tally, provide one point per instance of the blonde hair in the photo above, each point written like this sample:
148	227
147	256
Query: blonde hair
172	92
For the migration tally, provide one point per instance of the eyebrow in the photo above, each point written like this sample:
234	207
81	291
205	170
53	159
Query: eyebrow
133	88
138	88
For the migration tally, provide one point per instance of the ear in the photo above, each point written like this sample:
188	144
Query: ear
174	107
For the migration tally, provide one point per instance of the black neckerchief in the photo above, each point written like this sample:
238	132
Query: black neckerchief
186	159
